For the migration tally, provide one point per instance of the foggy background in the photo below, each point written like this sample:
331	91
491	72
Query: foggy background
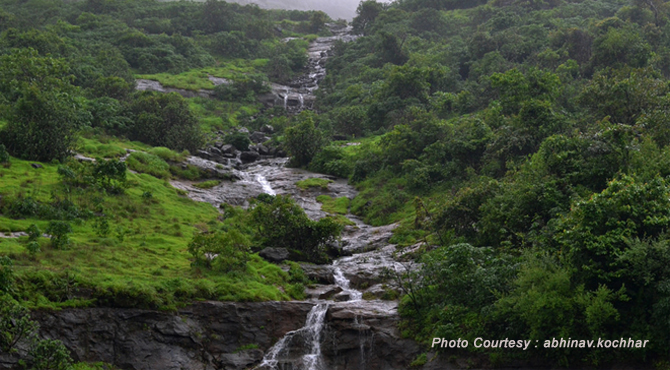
345	9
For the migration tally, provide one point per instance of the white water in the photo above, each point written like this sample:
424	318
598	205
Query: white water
310	334
343	282
267	189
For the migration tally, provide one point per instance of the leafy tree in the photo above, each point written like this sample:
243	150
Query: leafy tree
302	140
4	155
50	354
164	120
6	274
110	175
44	110
15	324
59	231
284	224
366	12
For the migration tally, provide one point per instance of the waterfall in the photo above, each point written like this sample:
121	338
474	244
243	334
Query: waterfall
311	336
286	98
302	101
267	189
343	282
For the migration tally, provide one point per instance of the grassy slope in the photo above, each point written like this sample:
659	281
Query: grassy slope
143	261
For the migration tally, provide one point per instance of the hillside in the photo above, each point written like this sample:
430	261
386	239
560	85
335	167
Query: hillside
521	146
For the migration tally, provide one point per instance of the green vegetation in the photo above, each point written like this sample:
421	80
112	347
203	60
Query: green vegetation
338	206
148	163
313	182
525	141
207	184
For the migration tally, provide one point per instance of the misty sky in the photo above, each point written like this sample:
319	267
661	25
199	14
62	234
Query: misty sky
345	9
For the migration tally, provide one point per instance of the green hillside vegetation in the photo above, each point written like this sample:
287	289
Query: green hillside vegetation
524	143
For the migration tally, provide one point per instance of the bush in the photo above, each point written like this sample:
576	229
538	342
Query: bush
163	120
239	140
284	224
59	231
149	163
223	251
303	140
4	155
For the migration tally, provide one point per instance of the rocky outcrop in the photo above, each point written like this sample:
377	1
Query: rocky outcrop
206	335
224	335
364	335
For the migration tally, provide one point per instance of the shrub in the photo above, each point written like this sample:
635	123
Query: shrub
239	140
4	155
284	224
59	231
223	251
303	140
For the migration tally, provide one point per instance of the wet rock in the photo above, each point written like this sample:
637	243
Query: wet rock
320	273
258	137
241	360
274	254
263	150
342	297
249	156
322	291
202	336
267	129
228	149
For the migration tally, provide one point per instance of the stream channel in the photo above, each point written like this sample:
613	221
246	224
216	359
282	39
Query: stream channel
367	249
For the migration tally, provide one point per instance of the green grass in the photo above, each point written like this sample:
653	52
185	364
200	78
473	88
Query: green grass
143	262
198	79
148	163
314	182
105	147
169	155
207	184
335	206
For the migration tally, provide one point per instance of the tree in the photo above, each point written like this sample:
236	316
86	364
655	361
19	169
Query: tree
44	110
366	13
283	224
302	140
164	120
59	231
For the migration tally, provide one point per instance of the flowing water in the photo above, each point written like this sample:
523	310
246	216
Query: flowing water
301	349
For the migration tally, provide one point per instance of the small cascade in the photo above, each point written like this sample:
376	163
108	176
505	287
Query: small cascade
302	101
267	189
343	282
279	355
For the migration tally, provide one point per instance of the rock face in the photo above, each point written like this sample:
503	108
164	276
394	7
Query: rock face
206	335
274	254
212	335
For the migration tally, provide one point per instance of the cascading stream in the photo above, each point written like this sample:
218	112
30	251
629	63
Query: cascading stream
279	355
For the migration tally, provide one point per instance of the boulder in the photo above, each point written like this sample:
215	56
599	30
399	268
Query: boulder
342	297
267	129
243	130
258	137
274	254
228	149
322	291
249	156
214	150
36	165
202	154
262	149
